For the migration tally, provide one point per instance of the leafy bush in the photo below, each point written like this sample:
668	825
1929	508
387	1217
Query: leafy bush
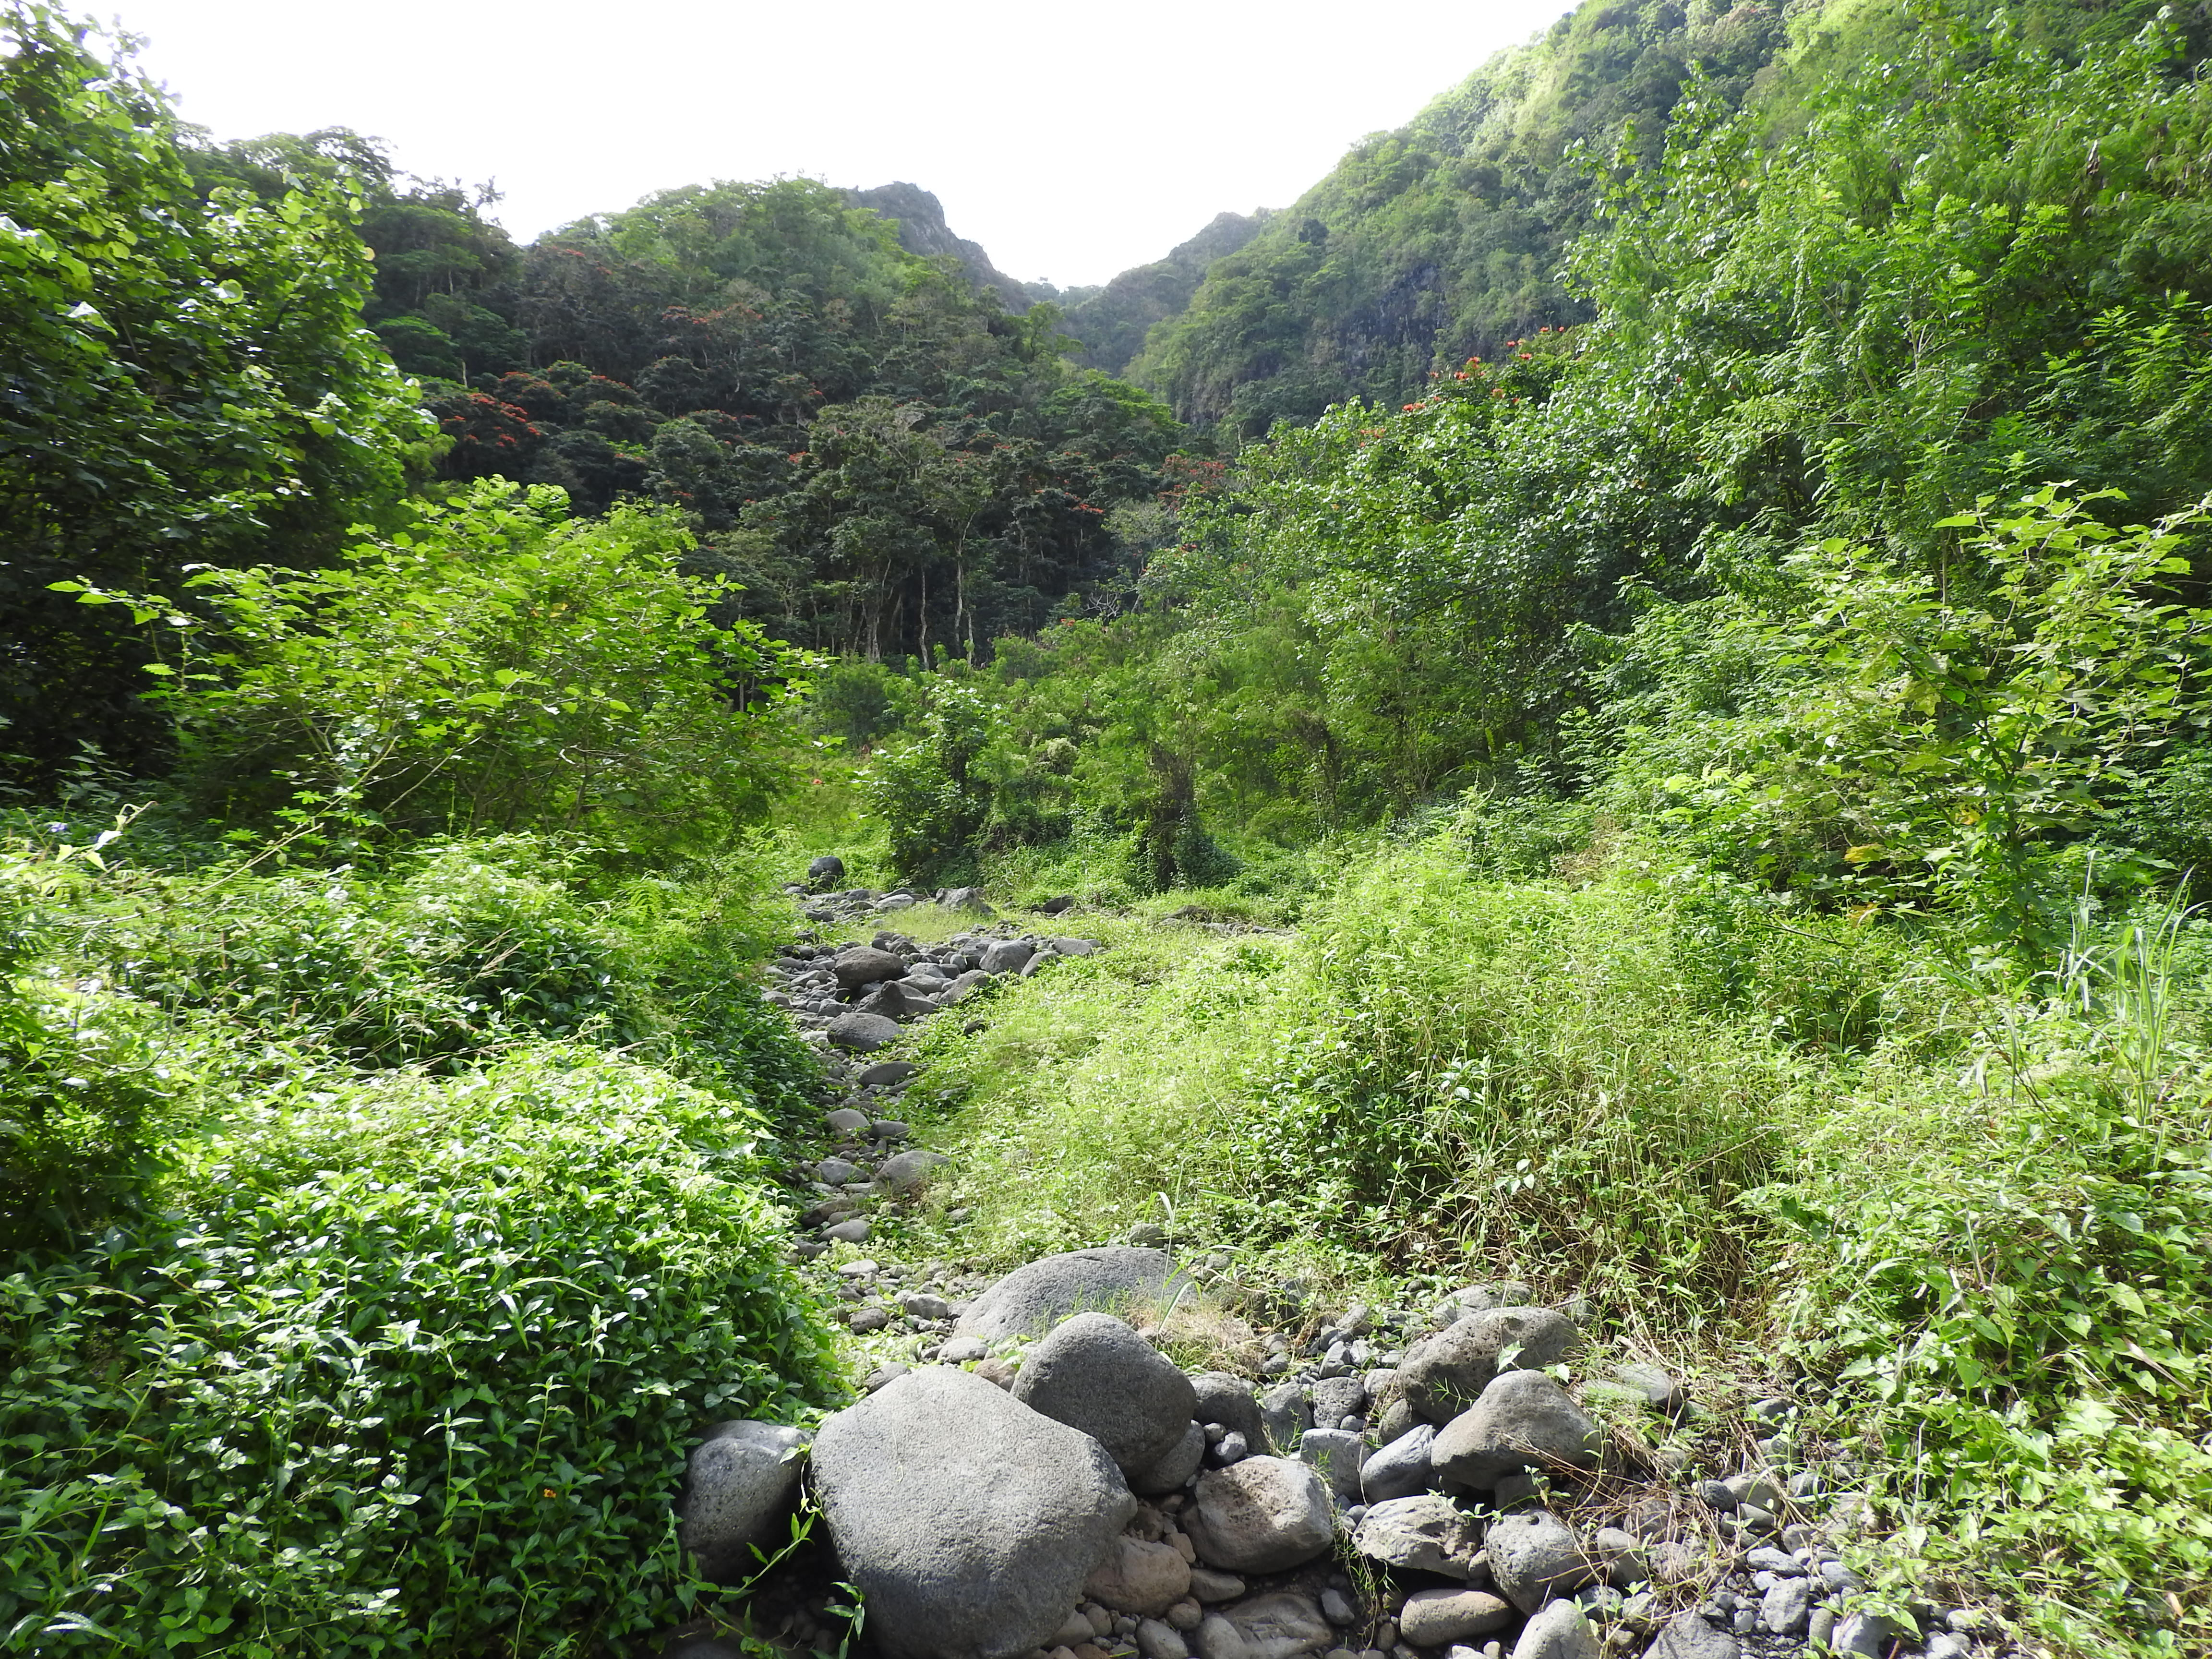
84	1101
495	667
1433	1072
465	948
412	1366
929	792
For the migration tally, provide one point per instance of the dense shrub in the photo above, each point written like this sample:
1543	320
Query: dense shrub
494	667
404	1366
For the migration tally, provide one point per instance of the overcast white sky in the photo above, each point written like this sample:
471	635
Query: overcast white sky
1072	141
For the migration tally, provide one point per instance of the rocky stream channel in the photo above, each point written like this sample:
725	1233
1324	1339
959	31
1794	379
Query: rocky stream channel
1033	1478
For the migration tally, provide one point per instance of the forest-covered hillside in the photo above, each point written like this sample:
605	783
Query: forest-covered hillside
1446	237
1637	741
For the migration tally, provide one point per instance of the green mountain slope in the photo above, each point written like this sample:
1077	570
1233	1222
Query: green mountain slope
1444	239
1112	321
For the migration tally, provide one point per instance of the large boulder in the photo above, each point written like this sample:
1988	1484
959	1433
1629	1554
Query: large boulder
1287	1414
1688	1636
897	1000
905	1172
1558	1631
1007	955
1029	1301
1525	1420
1169	1474
1444	1374
1432	1617
969	1522
1400	1468
1092	1372
963	986
1282	1625
863	1033
737	1489
1262	1515
864	964
1425	1534
1336	1454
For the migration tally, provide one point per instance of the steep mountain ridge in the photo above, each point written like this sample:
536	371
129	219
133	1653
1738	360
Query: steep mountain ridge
920	218
1112	321
1443	238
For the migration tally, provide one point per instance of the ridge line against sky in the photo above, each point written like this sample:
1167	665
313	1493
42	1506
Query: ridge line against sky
1071	143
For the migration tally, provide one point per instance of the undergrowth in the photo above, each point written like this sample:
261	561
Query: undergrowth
1963	1214
380	1241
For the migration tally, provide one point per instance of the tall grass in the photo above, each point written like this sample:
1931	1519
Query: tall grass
1967	1219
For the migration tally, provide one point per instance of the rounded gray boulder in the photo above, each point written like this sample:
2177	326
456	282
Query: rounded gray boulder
863	965
1425	1534
1176	1467
1558	1631
1007	955
1093	1373
1281	1625
738	1488
1444	1374
906	1171
1525	1420
1432	1618
969	1522
863	1033
1262	1515
1534	1556
1400	1468
1029	1301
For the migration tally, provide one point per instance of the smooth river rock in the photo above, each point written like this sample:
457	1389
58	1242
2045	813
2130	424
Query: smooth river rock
1029	1301
1263	1515
969	1522
1422	1533
1525	1420
1444	1374
737	1490
1093	1373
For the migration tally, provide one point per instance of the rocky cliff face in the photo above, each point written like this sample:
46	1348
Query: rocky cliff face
920	217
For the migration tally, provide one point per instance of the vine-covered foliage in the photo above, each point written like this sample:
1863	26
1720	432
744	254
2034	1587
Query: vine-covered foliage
189	379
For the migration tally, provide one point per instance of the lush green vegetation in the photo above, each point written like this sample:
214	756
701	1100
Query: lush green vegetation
1728	723
1451	236
1732	761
